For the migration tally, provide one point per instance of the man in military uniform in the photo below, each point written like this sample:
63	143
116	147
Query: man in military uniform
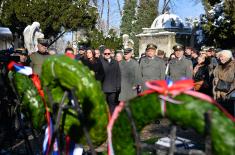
180	67
38	57
152	67
130	76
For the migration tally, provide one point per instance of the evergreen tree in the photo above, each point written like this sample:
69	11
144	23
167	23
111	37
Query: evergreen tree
219	24
51	14
146	14
128	16
97	38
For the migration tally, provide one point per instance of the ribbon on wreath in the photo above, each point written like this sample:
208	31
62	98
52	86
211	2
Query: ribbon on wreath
169	90
112	119
26	70
72	148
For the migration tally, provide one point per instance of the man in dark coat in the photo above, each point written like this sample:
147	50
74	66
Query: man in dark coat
152	67
130	75
180	67
112	81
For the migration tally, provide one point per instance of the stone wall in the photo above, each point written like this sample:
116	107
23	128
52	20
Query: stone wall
164	41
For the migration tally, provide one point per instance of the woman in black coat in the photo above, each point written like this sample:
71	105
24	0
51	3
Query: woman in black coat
201	75
94	64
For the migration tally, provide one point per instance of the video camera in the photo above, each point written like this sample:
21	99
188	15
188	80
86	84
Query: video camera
5	56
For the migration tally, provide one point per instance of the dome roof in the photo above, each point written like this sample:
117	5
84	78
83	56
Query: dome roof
167	20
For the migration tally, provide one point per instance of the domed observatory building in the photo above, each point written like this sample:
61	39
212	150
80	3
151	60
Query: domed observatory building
166	30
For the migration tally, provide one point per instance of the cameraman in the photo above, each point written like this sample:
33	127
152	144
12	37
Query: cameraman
23	56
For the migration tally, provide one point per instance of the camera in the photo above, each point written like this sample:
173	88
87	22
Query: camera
5	56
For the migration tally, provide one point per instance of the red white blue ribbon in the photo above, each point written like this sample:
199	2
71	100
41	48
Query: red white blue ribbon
166	88
114	116
72	148
26	70
47	141
169	91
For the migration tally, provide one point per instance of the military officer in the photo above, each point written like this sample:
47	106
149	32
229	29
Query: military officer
130	76
180	67
38	57
152	67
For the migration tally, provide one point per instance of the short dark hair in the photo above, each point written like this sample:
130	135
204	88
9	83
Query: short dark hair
69	49
160	52
52	49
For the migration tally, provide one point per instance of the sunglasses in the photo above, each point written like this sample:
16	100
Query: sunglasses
107	53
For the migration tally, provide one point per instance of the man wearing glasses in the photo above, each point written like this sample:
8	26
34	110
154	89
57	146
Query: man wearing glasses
112	80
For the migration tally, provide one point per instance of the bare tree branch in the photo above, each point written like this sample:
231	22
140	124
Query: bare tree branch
165	5
119	7
95	2
102	9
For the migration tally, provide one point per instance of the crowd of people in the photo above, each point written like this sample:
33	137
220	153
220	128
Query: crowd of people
122	77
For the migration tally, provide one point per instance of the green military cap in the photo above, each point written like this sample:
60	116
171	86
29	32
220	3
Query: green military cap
43	42
22	51
127	50
178	47
211	48
205	48
151	46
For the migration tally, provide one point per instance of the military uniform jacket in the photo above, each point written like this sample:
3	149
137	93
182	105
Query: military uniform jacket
152	69
182	68
37	60
130	77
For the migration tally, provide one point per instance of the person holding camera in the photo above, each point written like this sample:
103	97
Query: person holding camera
22	53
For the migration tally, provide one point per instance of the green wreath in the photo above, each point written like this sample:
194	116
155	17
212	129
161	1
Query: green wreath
61	73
